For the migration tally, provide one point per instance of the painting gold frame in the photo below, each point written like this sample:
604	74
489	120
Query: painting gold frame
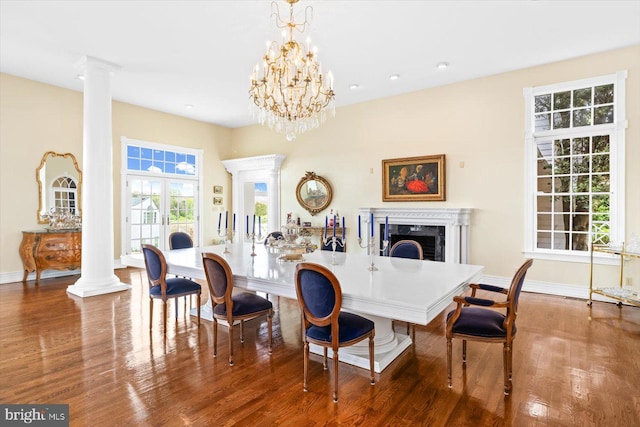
418	179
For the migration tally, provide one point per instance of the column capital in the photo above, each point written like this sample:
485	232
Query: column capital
90	62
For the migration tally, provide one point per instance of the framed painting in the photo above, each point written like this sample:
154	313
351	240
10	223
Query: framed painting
217	189
419	179
217	200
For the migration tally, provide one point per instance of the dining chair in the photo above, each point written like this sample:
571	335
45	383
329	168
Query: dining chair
163	288
320	299
475	319
229	307
180	240
275	234
407	249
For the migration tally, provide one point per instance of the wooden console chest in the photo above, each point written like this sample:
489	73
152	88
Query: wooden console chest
50	249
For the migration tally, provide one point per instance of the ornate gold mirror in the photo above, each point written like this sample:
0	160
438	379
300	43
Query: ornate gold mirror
313	193
59	185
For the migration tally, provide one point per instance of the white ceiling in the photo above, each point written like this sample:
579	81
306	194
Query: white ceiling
201	53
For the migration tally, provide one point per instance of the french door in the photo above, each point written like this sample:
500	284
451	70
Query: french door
156	207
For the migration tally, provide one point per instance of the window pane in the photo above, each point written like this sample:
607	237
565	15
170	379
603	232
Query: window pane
582	117
561	240
562	184
580	203
563	204
561	222
601	144
543	103
600	163
561	147
600	183
581	222
544	149
146	153
603	94
544	203
581	184
544	185
581	145
601	203
544	240
544	222
543	122
561	120
562	166
580	242
561	100
603	115
582	97
544	167
601	217
133	164
133	151
580	164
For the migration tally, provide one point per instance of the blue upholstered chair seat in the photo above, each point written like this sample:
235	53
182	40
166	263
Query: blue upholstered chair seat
244	303
351	325
176	287
480	322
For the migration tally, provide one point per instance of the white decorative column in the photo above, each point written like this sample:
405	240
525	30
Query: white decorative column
97	275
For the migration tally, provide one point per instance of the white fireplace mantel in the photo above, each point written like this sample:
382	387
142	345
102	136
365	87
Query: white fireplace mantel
455	220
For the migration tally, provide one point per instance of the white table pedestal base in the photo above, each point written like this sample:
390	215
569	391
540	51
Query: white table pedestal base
387	346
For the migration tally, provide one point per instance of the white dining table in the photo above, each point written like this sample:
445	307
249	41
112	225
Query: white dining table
400	289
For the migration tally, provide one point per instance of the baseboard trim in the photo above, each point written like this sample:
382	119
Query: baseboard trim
16	276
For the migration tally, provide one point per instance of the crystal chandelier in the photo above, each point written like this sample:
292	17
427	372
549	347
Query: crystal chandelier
291	95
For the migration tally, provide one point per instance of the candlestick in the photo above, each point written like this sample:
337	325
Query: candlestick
326	224
234	222
371	222
253	227
343	228
335	242
359	228
219	219
226	220
334	226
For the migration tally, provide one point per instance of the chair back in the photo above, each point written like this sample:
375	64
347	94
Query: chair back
275	234
406	249
319	296
515	288
219	279
180	240
156	266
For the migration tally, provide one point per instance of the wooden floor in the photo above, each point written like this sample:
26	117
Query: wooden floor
573	366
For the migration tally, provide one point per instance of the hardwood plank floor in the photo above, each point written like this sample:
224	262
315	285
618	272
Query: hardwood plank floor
572	366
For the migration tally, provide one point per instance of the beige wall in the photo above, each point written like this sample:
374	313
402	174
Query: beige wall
479	123
35	118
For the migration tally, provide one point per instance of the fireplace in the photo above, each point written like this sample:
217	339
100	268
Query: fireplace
430	237
442	232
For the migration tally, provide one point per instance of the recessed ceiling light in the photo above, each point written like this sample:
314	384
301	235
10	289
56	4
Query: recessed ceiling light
188	106
354	86
394	77
443	65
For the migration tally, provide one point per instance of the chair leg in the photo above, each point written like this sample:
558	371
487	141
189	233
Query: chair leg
324	360
215	337
241	331
371	364
269	323
231	341
335	375
164	316
306	364
197	309
506	350
408	327
464	352
449	351
150	314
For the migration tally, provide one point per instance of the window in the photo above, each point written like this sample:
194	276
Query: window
575	166
65	191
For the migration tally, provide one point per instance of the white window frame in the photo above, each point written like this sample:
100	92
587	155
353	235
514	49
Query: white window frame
617	129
